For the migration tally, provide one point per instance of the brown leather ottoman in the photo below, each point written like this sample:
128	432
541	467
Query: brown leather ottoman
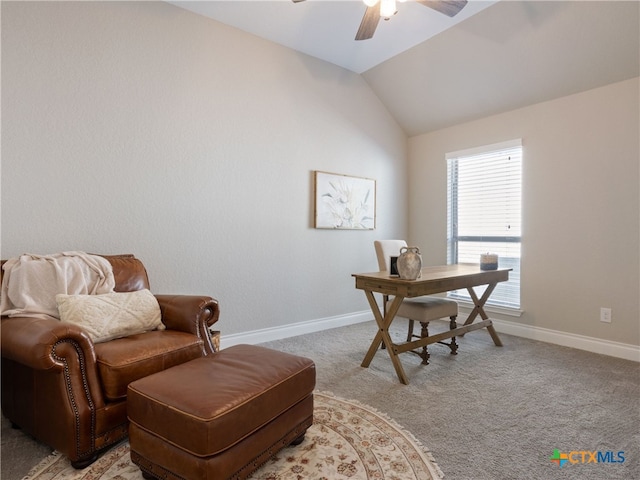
220	416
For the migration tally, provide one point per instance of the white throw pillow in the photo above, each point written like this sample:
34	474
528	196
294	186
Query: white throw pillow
111	315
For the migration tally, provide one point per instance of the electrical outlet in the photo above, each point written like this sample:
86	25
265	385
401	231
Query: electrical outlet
605	315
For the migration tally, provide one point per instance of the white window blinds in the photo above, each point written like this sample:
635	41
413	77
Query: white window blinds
484	213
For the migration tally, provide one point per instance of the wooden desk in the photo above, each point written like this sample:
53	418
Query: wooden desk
434	280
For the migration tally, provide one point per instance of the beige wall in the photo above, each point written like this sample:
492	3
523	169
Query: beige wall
143	128
580	246
140	127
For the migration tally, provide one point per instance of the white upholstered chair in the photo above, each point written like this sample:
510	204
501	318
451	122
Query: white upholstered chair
421	309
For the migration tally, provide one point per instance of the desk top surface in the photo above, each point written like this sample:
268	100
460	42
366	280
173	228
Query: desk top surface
433	280
436	273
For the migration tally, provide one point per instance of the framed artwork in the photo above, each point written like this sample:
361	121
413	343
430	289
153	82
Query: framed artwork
344	202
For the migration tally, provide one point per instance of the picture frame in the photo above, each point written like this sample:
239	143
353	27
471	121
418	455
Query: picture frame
344	202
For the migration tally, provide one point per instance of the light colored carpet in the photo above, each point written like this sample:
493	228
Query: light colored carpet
488	413
347	440
492	413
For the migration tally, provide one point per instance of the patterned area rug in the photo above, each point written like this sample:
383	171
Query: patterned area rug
348	440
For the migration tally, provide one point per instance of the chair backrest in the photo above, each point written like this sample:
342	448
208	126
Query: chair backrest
129	273
385	249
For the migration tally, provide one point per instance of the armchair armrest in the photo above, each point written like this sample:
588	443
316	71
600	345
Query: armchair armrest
51	345
190	313
32	341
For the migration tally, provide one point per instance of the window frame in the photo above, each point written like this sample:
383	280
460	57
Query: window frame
453	237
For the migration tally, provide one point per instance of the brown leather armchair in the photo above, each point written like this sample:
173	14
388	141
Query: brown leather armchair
69	393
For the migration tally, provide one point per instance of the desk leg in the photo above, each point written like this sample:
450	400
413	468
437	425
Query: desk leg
383	335
479	309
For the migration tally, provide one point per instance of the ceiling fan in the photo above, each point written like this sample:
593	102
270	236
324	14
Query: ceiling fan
377	9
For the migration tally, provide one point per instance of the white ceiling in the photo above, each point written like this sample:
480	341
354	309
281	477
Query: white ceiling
326	29
432	71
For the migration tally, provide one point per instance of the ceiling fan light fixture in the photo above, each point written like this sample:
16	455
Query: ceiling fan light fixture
370	3
387	8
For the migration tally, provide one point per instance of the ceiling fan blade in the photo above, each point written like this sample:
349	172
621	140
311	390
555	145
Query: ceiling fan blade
369	22
297	1
449	7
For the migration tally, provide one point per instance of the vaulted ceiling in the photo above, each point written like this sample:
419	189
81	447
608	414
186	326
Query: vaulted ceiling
432	71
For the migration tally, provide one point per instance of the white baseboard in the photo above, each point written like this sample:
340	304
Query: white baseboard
581	342
293	329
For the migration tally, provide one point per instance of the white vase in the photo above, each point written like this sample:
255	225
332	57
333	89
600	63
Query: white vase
409	263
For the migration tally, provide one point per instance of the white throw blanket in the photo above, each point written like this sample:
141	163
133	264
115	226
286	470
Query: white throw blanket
31	282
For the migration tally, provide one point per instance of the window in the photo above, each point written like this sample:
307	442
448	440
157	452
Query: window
484	213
